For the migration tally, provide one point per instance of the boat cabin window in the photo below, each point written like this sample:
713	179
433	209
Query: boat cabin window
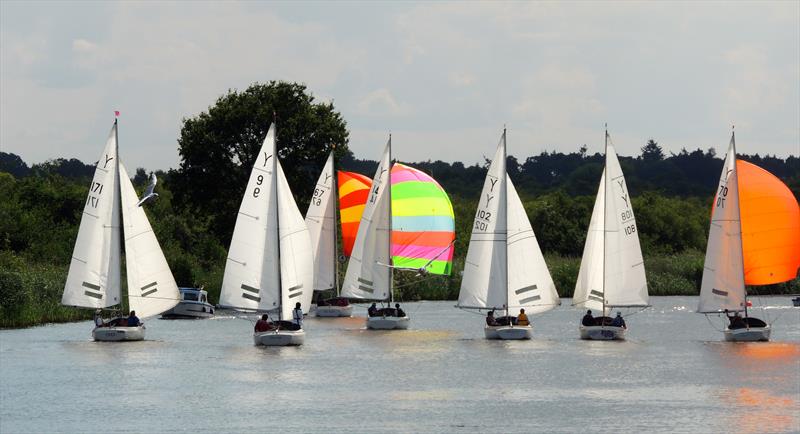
190	296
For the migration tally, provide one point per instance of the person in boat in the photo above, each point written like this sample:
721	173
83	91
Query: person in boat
490	320
98	318
263	325
736	321
133	320
398	312
618	321
588	319
373	310
297	315
522	319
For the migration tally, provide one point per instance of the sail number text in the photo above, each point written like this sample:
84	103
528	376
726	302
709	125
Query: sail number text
95	189
482	220
723	193
259	181
317	198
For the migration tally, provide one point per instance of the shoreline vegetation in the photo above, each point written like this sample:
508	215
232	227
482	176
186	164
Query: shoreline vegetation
194	214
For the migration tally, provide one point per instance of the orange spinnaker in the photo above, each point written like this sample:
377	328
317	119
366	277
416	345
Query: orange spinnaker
770	226
353	192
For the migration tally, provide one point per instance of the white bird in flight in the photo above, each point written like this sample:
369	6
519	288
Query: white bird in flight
149	194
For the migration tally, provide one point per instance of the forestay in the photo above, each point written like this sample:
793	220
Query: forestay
485	269
151	286
93	280
366	278
321	222
251	279
529	282
722	286
296	255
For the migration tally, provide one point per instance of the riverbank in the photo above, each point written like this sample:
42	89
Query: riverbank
30	294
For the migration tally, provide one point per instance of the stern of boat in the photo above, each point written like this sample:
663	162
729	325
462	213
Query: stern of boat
751	334
280	338
387	323
118	334
602	333
508	332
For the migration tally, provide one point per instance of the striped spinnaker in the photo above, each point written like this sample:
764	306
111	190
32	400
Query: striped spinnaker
423	225
353	192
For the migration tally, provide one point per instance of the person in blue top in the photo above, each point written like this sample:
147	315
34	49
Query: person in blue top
297	315
618	321
133	320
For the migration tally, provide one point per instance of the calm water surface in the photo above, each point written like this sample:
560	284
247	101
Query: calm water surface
674	374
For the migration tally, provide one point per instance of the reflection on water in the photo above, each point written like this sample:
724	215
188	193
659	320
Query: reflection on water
674	374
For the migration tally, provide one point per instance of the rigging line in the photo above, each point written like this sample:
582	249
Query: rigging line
712	324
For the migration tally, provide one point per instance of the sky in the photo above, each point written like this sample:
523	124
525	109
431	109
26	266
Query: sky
442	77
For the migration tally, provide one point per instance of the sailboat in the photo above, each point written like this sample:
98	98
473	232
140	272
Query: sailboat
369	272
504	268
270	264
94	279
763	250
322	227
612	268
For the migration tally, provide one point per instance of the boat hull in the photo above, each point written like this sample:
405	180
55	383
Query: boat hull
603	333
189	310
508	332
387	322
280	338
334	311
118	334
751	334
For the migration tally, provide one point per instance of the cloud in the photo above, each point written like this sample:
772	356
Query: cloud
381	102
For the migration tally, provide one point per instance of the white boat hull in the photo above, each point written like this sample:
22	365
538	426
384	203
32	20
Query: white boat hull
280	338
118	334
507	332
334	311
387	322
603	333
751	334
190	309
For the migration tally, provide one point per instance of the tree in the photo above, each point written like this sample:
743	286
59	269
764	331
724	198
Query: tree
218	147
652	151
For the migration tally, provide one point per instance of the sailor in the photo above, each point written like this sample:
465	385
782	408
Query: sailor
263	324
399	312
588	319
522	319
297	315
618	321
133	320
490	321
98	318
373	310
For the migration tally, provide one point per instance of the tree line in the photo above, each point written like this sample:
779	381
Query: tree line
195	213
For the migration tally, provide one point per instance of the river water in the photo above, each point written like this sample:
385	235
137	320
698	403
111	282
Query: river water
673	374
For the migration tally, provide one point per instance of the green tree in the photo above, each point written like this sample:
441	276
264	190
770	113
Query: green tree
218	147
652	151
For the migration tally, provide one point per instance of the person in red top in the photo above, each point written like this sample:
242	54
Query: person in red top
263	325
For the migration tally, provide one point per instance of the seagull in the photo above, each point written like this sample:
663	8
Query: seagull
148	192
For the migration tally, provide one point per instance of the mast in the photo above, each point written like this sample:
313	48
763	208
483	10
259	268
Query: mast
389	192
335	193
505	210
605	222
277	213
738	211
118	192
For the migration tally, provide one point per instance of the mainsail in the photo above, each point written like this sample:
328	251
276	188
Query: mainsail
722	286
321	222
505	267
366	278
93	280
252	271
612	268
151	286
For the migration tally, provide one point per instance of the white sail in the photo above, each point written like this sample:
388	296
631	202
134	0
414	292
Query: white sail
485	268
723	272
251	279
625	281
529	282
321	222
93	280
151	286
589	286
366	278
296	255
